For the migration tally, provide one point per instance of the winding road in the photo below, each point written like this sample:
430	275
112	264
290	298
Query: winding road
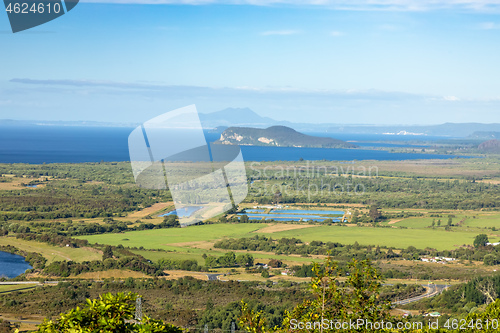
432	290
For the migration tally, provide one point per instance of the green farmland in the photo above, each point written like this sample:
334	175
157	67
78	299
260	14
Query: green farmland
391	237
161	238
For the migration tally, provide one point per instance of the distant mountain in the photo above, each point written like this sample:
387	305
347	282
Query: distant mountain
485	135
245	117
277	136
235	117
491	146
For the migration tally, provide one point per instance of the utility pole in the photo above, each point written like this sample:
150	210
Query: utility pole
138	309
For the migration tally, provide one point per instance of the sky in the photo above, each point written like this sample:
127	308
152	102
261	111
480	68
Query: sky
315	61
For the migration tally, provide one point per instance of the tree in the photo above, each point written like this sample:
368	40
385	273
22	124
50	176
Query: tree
211	261
450	221
374	213
491	314
107	253
277	197
275	263
171	221
355	218
438	223
252	321
357	299
265	274
7	327
245	259
490	260
480	240
109	313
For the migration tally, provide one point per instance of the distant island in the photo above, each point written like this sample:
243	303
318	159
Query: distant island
277	136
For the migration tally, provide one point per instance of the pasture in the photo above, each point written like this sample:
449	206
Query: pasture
167	238
53	253
183	239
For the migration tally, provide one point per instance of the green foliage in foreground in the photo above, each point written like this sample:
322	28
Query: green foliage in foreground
358	298
110	313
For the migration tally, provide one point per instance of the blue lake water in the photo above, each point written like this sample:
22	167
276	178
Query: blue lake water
69	144
283	219
183	212
279	216
303	211
254	218
12	265
271	216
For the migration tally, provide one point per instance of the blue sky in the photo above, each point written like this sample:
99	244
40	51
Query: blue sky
384	62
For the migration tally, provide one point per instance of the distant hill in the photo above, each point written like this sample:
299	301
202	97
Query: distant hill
278	136
216	122
235	117
491	146
485	135
245	117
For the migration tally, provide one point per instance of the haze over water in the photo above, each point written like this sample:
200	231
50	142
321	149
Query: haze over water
69	144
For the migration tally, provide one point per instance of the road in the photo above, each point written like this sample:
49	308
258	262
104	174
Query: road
213	277
432	290
29	282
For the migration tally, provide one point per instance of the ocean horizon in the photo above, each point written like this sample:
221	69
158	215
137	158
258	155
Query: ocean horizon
72	144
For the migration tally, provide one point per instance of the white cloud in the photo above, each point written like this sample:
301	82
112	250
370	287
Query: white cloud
280	32
451	98
402	5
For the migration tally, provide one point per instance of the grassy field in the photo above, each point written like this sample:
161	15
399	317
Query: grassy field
488	221
53	253
399	238
9	288
161	238
417	223
182	239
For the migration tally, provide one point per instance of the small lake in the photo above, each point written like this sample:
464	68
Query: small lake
293	215
12	265
303	211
